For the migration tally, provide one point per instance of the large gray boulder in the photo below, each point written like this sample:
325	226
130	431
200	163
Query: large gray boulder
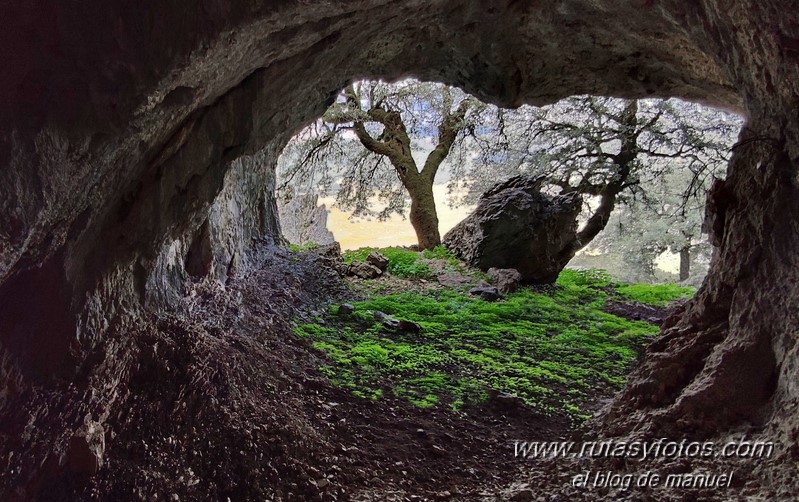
516	226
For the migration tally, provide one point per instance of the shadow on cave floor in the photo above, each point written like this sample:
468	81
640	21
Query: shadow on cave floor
223	400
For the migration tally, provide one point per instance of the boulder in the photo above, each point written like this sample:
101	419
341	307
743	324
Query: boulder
516	226
506	280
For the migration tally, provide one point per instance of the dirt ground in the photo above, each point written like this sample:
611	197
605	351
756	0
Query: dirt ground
221	401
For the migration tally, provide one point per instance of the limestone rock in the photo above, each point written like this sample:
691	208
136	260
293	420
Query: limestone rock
303	221
86	449
386	320
516	226
330	250
364	270
487	293
506	280
402	326
378	260
332	255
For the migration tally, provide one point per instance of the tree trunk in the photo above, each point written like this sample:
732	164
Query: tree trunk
685	263
424	217
623	162
729	356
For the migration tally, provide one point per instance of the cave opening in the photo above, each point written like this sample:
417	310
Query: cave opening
132	145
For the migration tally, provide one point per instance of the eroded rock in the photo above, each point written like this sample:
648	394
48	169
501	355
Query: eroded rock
363	270
378	260
86	449
506	280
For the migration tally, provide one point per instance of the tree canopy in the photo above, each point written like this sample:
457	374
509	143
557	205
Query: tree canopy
380	143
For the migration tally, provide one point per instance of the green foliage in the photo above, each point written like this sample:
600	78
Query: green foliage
441	253
553	347
593	277
401	262
308	246
655	295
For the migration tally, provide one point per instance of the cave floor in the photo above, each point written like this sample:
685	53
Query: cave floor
220	400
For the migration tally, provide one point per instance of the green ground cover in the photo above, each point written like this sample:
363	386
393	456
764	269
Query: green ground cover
553	347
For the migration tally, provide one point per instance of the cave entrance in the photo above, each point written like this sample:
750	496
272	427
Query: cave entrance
653	161
662	157
133	138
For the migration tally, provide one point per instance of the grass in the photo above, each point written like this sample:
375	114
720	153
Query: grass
308	246
657	296
552	347
404	262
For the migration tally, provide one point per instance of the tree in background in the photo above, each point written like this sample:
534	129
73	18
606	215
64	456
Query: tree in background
655	157
379	142
663	218
366	141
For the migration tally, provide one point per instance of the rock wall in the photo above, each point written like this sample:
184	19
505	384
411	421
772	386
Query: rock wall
303	221
129	140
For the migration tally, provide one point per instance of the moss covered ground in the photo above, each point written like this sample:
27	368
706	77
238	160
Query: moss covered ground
553	347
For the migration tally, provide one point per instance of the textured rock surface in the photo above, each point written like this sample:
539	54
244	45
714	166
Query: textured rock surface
379	260
487	293
364	270
516	226
303	221
86	448
129	140
505	279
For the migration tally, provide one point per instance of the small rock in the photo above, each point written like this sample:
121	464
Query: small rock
332	250
386	319
345	309
409	327
364	270
489	294
378	260
506	401
506	280
322	483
